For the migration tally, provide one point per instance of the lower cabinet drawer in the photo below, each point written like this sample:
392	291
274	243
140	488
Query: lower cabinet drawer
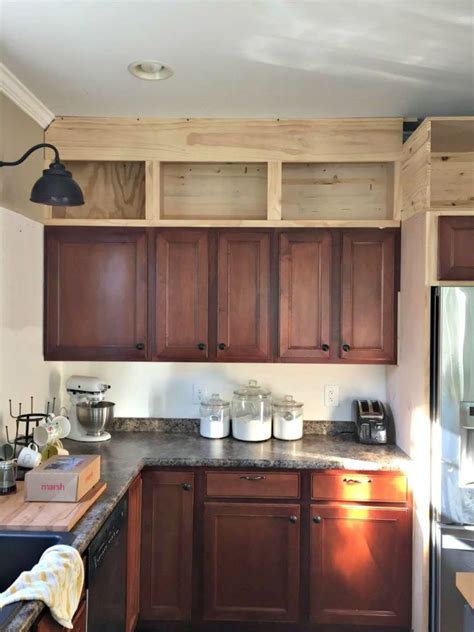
253	484
356	486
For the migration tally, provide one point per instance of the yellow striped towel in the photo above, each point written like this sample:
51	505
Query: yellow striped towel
56	580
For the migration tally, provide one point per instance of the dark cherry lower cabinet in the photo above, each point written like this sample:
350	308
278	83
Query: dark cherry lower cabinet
167	546
359	559
326	550
251	562
456	248
133	554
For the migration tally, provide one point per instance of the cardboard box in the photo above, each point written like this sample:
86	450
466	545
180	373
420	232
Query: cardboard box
62	478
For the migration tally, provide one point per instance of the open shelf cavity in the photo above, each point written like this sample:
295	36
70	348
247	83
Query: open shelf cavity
217	190
112	190
337	191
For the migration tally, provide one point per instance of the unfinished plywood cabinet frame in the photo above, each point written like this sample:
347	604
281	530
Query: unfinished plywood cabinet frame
437	171
247	159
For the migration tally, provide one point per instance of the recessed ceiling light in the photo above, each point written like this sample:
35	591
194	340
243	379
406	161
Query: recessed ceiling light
150	70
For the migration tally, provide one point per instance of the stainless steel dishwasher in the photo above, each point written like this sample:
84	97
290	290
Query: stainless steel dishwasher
106	574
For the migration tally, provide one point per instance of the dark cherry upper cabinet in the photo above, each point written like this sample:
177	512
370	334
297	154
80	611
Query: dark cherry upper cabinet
456	248
181	313
96	294
369	295
360	561
305	259
243	296
167	546
251	562
133	554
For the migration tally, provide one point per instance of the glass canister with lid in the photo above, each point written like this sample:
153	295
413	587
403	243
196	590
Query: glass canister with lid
252	413
215	417
288	419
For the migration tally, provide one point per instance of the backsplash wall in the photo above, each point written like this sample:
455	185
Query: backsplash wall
142	389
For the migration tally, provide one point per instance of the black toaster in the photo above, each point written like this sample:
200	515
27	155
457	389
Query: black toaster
374	422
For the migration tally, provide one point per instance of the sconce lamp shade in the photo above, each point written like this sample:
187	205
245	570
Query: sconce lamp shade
56	187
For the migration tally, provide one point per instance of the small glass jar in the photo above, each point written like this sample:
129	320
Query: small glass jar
288	419
215	417
252	413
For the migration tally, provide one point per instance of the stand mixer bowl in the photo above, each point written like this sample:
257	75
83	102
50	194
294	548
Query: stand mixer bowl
93	416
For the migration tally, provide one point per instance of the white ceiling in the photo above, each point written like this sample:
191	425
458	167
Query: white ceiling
272	58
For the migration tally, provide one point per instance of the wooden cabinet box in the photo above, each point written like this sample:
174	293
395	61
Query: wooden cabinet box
456	248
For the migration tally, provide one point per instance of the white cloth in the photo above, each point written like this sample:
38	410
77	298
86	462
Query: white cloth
57	580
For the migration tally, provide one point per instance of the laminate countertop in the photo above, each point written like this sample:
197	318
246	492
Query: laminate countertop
127	453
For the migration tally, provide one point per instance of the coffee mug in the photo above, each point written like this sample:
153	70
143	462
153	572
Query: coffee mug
55	449
43	434
29	456
62	425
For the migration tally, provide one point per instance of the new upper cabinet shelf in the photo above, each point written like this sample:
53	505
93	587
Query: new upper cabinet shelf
338	191
223	190
230	295
112	190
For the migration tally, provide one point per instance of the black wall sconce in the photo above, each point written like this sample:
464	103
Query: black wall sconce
56	186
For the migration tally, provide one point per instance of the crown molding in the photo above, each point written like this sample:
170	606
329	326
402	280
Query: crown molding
17	92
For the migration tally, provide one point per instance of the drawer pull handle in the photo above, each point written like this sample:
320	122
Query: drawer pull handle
187	487
356	481
293	519
252	478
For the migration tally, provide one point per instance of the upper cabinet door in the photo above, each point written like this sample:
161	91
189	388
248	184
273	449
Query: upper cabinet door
181	316
456	248
96	294
243	296
368	310
305	295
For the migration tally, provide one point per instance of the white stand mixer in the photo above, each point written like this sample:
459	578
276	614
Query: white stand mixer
90	390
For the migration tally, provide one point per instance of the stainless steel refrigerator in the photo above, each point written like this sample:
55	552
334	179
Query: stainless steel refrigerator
452	405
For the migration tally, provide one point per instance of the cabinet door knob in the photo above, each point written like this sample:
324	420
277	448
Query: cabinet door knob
222	346
140	346
325	347
187	487
317	519
293	519
346	347
201	346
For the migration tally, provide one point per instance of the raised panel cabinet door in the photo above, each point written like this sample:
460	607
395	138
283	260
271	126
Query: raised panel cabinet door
251	562
369	296
96	294
167	546
79	621
305	295
133	554
243	295
360	565
456	248
181	317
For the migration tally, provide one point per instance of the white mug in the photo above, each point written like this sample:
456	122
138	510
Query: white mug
63	426
43	435
29	456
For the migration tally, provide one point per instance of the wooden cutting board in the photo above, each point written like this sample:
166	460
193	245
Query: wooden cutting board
16	513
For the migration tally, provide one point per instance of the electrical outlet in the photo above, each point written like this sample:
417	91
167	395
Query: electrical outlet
199	393
331	395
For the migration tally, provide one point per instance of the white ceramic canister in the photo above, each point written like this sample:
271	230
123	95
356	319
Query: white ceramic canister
288	419
252	413
215	418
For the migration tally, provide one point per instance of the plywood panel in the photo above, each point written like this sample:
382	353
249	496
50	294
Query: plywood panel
452	180
415	175
213	190
370	139
336	191
111	190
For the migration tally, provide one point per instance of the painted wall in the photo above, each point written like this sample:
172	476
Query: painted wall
165	390
18	132
22	370
408	394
